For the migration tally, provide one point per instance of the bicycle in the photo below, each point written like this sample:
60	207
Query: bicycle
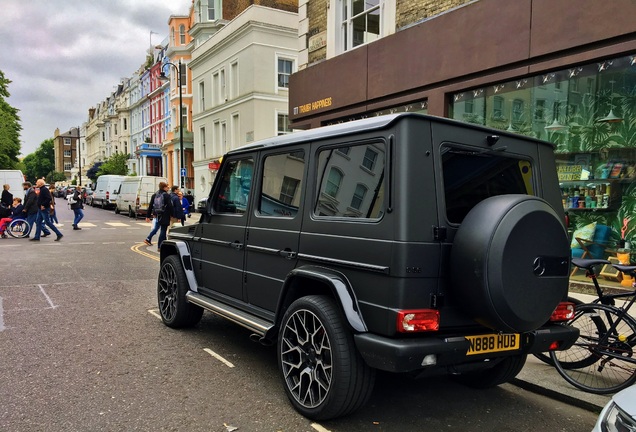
601	361
18	228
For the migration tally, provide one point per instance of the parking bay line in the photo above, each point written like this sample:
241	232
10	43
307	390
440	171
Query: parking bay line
218	357
47	297
207	350
2	327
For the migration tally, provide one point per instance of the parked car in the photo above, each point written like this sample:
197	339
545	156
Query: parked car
619	415
106	191
134	194
404	243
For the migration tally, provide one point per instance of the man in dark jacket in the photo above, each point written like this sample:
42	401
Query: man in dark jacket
77	204
162	215
30	210
44	207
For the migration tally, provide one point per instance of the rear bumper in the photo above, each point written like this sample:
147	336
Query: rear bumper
407	355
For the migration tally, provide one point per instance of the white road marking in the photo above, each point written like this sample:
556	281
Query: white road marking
117	224
47	297
218	357
319	428
86	224
154	312
2	327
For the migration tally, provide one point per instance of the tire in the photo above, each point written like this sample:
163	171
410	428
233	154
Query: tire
545	356
509	263
117	210
18	228
131	213
172	286
602	360
323	374
503	372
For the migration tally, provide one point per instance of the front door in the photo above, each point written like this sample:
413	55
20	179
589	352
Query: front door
221	256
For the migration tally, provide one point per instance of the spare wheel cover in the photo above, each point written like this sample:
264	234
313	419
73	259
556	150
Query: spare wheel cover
510	263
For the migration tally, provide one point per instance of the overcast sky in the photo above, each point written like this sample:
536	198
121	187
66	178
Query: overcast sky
65	56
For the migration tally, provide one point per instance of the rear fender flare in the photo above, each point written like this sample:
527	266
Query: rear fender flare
339	286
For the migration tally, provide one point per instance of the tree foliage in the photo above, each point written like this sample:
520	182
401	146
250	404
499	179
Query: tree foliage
40	163
92	172
9	128
116	164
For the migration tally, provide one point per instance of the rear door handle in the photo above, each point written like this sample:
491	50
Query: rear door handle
287	253
236	245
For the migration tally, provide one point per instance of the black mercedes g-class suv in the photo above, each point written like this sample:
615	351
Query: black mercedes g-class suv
404	243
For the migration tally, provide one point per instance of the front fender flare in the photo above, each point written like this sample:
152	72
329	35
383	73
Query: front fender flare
183	251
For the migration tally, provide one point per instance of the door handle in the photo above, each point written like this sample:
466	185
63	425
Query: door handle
287	253
236	245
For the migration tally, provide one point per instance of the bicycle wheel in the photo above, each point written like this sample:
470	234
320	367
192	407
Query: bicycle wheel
18	228
545	356
601	361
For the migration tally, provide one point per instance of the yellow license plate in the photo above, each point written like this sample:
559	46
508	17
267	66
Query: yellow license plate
484	344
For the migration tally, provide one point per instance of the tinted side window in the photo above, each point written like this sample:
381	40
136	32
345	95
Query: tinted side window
283	183
350	181
234	191
471	176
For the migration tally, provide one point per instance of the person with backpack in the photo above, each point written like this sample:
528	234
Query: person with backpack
76	201
160	208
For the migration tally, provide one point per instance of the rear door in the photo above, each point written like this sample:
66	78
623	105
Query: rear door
274	227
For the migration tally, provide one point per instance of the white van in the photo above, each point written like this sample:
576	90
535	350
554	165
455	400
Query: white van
14	179
134	194
105	194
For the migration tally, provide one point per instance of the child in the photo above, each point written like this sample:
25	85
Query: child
15	214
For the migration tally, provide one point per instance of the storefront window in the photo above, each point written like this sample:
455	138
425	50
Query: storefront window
589	113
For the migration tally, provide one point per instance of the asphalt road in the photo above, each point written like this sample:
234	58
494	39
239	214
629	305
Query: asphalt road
82	349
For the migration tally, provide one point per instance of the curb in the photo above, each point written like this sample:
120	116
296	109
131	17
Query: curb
556	395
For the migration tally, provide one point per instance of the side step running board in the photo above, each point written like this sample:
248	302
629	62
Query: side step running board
257	325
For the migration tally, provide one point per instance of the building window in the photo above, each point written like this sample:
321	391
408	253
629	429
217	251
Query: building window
67	166
67	153
370	156
358	196
333	182
283	124
202	135
125	124
539	110
234	80
202	96
182	35
211	11
497	108
222	89
67	141
360	22
235	131
285	69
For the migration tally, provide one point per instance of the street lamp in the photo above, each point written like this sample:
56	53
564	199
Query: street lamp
164	78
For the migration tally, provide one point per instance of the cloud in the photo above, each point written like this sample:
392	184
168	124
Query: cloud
65	57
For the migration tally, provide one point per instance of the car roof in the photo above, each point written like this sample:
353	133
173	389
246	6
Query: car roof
368	124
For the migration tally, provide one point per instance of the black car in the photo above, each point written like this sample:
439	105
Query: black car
403	243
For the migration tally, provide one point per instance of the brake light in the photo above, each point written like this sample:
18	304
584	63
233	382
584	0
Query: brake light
107	195
417	320
563	312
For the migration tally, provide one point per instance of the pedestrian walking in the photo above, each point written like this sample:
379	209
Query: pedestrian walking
160	208
7	197
185	207
77	205
53	212
30	210
44	207
177	209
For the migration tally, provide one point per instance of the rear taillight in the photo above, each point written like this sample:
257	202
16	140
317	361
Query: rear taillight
417	320
563	312
107	195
